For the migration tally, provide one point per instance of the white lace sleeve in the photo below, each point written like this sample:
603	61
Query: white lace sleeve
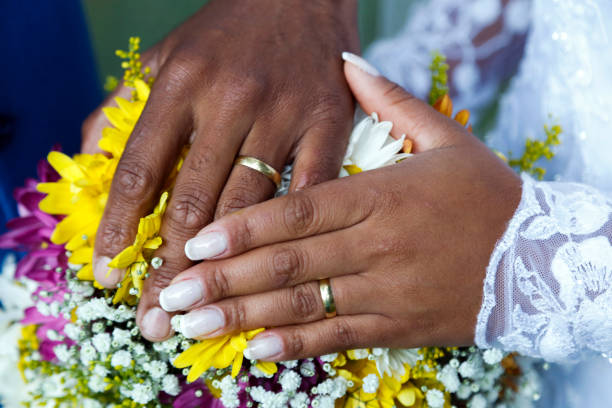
548	287
482	39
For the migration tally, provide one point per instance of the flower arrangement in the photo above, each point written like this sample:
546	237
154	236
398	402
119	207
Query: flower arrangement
77	344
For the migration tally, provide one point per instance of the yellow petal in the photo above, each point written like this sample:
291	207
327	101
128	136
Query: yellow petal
153	243
142	90
237	365
407	397
407	147
122	293
65	166
267	367
224	357
204	361
129	108
462	117
86	273
352	169
163	202
239	342
393	384
252	333
138	271
444	105
58	199
117	118
188	357
70	227
125	258
81	256
113	141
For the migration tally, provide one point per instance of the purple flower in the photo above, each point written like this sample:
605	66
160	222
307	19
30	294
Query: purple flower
31	232
193	395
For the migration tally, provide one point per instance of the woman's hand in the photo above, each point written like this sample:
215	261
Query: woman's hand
257	78
405	246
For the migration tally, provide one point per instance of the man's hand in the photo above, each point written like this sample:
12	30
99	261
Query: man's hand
256	78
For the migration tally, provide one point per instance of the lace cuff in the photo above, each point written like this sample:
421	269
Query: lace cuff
548	287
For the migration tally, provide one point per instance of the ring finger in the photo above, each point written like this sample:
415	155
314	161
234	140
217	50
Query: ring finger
246	186
290	306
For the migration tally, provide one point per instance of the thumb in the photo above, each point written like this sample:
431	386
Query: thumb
427	128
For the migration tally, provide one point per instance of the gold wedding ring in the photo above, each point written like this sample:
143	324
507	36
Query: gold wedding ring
328	298
261	167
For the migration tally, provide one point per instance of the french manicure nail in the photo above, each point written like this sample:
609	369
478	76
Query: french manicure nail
181	295
205	246
263	348
106	276
201	322
360	63
156	324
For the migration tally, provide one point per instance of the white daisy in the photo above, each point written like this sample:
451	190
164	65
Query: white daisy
371	147
391	361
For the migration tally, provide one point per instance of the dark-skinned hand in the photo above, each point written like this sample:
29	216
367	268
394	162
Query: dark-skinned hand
257	78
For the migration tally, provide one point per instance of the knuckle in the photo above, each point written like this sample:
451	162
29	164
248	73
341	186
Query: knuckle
287	266
236	200
345	335
112	235
295	346
179	73
245	88
202	160
236	316
133	179
191	210
304	302
299	214
252	85
159	280
327	105
218	285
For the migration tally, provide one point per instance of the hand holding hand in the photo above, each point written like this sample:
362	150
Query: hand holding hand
256	78
405	246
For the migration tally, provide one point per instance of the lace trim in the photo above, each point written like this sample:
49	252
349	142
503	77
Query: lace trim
527	208
548	286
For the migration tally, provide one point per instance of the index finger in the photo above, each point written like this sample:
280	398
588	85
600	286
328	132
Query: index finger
326	207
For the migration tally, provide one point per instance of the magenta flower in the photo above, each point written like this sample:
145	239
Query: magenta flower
44	261
32	230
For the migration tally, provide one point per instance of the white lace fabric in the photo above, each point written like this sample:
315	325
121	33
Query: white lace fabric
548	288
482	40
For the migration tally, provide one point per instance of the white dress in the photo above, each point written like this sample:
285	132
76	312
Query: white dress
548	288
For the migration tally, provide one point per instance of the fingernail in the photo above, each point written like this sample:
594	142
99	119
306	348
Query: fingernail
263	348
205	246
156	324
181	295
106	276
360	63
201	322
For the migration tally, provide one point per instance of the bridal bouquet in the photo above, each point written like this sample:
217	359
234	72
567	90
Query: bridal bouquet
68	342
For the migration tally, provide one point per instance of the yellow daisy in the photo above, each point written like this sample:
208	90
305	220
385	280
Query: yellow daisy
220	353
133	257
